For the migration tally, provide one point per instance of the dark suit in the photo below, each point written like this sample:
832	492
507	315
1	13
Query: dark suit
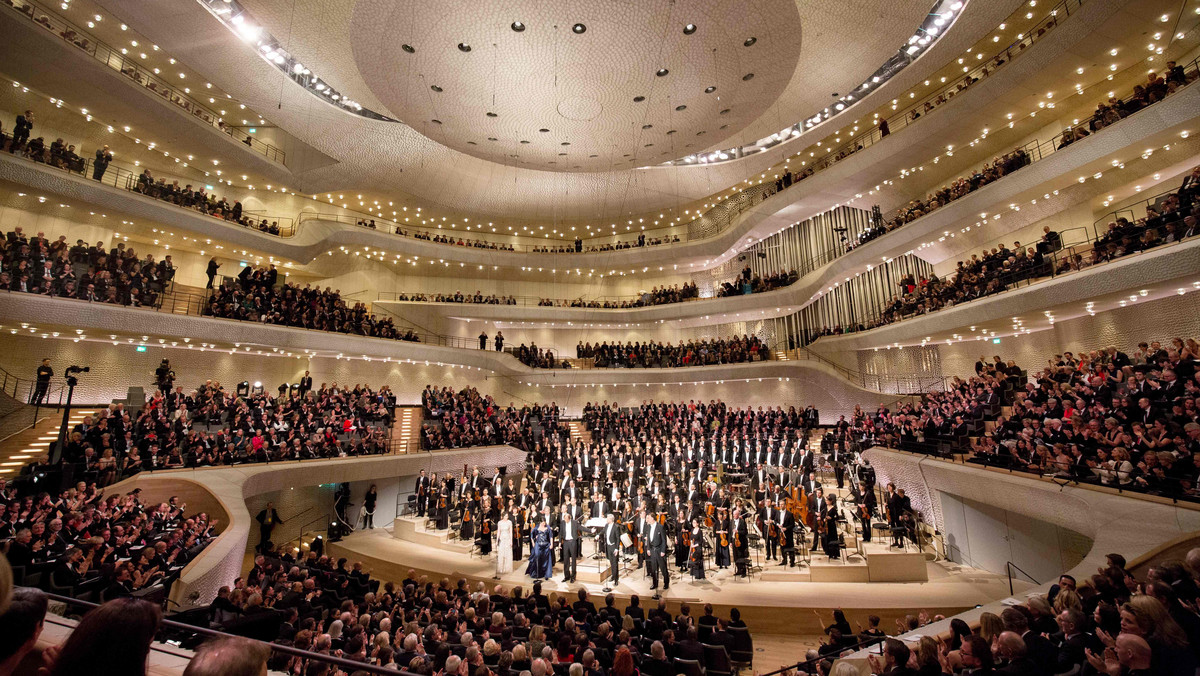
267	519
612	547
1041	651
656	548
568	532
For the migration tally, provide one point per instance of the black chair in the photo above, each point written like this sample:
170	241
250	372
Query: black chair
742	653
688	667
716	660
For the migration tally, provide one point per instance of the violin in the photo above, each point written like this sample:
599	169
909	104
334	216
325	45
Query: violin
723	538
487	526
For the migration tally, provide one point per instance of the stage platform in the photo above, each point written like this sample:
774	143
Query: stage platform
855	585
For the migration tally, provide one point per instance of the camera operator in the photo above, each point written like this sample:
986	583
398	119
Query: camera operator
164	376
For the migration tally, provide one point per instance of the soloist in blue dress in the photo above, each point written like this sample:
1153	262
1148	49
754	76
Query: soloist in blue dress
541	555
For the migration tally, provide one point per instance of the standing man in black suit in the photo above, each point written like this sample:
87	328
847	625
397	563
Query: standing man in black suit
211	272
21	130
305	384
612	548
656	550
44	374
741	548
422	486
100	165
568	532
267	520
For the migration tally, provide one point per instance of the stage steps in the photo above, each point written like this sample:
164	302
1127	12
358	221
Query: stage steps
28	445
579	431
406	429
412	529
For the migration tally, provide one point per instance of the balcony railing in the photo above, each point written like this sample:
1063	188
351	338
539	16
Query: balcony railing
114	59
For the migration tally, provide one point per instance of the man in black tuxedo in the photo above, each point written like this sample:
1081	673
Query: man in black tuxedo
305	384
568	532
612	548
656	550
741	548
267	520
422	488
21	129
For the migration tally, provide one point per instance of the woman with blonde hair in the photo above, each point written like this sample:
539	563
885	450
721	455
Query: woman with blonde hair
1067	599
1147	617
990	626
1043	621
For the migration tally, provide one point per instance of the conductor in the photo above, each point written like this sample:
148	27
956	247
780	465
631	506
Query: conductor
569	534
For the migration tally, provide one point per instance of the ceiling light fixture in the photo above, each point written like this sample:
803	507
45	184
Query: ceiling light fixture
710	89
436	88
747	77
464	47
639	99
408	48
689	29
661	72
749	42
518	26
579	29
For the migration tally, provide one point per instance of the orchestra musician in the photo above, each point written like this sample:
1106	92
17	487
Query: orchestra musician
721	539
696	551
422	494
770	527
656	553
787	542
442	514
612	549
739	542
829	531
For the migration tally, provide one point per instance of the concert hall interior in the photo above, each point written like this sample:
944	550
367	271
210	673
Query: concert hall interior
560	338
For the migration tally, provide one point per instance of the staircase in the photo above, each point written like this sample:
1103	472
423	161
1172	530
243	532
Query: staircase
406	430
26	446
579	432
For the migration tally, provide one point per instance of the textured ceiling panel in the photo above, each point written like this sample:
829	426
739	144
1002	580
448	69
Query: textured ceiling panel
577	88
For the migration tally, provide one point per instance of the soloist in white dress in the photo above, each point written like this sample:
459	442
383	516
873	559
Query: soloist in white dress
504	532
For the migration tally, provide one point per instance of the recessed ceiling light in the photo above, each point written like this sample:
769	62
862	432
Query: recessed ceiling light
639	99
672	131
408	48
711	89
436	121
647	126
491	138
689	29
543	130
579	28
492	115
749	42
464	47
518	26
525	142
724	111
565	143
661	72
747	77
436	88
680	107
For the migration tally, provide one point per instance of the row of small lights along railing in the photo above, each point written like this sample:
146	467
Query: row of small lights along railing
113	58
126	178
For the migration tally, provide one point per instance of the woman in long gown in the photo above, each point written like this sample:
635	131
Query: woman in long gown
831	543
541	561
721	553
443	508
696	553
520	532
504	538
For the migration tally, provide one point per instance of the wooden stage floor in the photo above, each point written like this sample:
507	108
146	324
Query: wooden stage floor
768	607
